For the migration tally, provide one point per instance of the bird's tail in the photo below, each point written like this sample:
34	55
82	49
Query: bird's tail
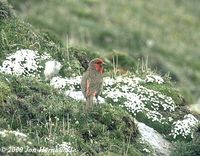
89	103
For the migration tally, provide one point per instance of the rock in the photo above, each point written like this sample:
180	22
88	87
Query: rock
51	69
195	107
160	145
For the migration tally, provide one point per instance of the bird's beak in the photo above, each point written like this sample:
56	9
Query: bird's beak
103	63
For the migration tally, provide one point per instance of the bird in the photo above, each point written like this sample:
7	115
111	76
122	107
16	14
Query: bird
92	81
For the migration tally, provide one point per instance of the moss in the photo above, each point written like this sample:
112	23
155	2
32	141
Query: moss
186	149
196	135
163	128
168	90
118	122
35	104
16	34
5	91
12	140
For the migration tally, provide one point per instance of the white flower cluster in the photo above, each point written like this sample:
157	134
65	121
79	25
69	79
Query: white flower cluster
23	62
154	78
136	98
146	150
77	95
126	91
71	87
184	127
20	136
70	84
5	133
58	82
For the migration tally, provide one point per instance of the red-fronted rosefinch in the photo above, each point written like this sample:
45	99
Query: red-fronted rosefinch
92	81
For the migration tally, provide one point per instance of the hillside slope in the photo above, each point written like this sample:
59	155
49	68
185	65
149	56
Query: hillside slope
38	116
164	32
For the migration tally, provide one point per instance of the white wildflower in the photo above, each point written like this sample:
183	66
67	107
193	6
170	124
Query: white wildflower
77	122
134	104
137	80
109	81
20	136
125	91
146	150
58	82
77	95
3	133
170	119
154	78
45	56
66	147
74	80
100	100
136	98
184	127
154	115
23	62
150	42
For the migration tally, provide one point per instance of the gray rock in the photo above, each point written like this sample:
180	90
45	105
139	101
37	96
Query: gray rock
160	145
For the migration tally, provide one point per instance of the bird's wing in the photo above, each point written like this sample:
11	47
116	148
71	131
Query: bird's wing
91	84
90	88
87	87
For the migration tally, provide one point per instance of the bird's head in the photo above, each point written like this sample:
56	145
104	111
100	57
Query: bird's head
96	64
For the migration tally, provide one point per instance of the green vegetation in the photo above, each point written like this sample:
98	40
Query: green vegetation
46	117
168	90
5	91
17	34
191	148
166	32
5	10
49	118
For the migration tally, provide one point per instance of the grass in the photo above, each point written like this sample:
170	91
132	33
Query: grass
168	90
25	37
17	34
49	118
5	10
187	148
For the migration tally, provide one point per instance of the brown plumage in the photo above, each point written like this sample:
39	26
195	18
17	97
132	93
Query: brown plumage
92	81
